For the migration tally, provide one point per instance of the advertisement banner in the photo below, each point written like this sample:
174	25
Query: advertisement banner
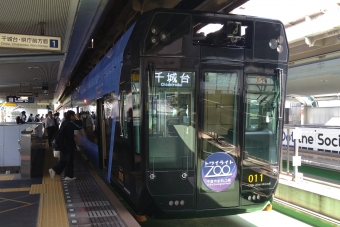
315	138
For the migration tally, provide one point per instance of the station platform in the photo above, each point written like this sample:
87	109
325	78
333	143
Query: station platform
311	200
89	201
43	202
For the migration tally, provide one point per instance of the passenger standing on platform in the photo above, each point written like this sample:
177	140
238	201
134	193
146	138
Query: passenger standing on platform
89	123
93	115
23	117
50	127
66	160
64	118
79	133
30	118
57	120
37	118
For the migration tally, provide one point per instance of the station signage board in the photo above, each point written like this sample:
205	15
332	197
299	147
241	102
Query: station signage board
327	139
16	99
173	79
31	42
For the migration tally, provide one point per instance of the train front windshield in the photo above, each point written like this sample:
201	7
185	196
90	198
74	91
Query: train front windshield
171	120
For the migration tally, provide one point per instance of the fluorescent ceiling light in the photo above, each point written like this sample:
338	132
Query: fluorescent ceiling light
325	95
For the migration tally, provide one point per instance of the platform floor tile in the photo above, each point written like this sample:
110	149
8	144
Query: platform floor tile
52	211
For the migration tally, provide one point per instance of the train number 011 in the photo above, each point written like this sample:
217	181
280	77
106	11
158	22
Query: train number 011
255	178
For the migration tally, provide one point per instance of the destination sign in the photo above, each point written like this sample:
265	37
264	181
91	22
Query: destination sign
15	99
173	79
32	42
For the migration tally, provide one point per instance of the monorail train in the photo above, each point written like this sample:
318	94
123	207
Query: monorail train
189	113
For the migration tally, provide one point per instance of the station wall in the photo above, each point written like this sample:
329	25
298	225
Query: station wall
320	115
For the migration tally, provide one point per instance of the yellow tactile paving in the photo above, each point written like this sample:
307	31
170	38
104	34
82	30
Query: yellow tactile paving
24	189
49	187
14	189
10	190
52	208
8	177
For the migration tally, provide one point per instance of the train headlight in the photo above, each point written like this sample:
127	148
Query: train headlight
154	39
154	29
164	36
280	39
274	171
273	44
276	44
152	176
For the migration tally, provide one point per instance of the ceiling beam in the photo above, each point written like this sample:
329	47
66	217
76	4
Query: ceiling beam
32	58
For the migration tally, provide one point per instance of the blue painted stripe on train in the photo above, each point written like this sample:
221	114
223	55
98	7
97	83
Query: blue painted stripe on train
112	139
105	76
91	151
103	79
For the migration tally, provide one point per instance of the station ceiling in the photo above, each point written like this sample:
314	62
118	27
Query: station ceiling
78	22
313	32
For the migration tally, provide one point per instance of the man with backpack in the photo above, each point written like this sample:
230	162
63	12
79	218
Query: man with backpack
30	118
67	146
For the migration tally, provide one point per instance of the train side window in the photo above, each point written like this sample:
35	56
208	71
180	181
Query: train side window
135	109
123	114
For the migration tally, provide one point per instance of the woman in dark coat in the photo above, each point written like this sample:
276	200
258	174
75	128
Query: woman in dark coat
66	160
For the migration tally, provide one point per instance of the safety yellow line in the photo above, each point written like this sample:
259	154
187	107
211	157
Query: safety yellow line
14	208
52	207
8	177
14	189
12	200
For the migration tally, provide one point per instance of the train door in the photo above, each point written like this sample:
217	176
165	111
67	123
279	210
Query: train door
172	134
217	160
264	95
126	146
106	115
100	133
